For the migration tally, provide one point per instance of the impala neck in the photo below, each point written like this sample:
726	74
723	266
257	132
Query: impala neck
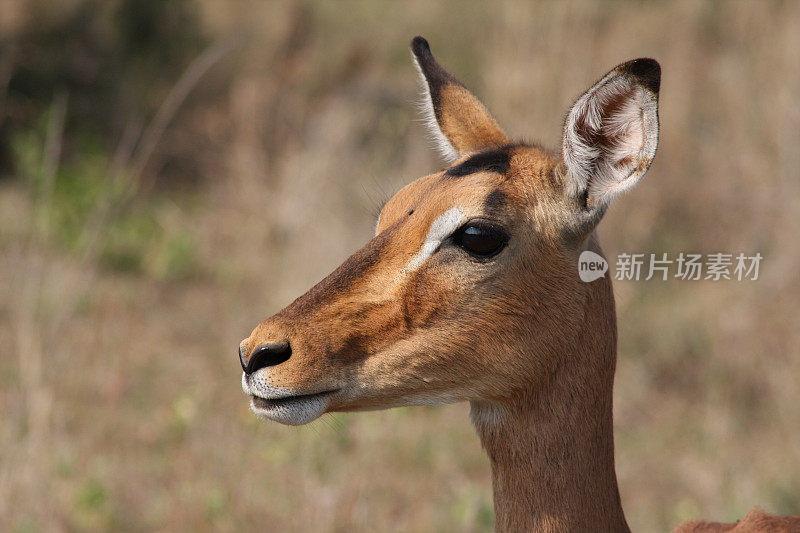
552	450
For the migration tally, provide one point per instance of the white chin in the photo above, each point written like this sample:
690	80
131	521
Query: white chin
292	411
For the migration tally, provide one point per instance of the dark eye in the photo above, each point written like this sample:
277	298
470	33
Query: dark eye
481	239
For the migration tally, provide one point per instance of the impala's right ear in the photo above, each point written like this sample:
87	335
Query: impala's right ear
611	133
459	123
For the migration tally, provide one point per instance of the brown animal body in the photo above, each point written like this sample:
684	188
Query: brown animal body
756	520
470	291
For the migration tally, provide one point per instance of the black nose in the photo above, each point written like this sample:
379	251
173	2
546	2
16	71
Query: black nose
241	358
266	355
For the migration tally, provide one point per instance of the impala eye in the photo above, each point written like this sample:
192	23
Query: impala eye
481	239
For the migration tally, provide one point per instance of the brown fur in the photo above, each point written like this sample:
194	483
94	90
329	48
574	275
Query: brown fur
520	336
756	521
462	118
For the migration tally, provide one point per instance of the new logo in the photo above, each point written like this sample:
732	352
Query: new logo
591	266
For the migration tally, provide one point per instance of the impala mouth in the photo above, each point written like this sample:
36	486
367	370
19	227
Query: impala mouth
292	410
271	403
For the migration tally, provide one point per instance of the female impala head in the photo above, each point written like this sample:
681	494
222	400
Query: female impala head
469	289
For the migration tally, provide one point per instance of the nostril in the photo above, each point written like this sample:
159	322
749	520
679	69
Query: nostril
268	355
241	359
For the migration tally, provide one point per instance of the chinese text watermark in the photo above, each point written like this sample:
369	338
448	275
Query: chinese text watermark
684	266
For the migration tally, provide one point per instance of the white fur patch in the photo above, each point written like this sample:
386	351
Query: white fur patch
292	411
245	385
425	104
260	384
431	399
444	226
485	415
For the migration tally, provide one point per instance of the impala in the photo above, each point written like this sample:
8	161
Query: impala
469	291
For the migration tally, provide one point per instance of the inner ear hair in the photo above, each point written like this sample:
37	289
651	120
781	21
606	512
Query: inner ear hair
611	132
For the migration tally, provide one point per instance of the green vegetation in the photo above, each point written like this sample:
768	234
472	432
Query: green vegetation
83	208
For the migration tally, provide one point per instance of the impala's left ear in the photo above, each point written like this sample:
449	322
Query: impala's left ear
459	122
611	133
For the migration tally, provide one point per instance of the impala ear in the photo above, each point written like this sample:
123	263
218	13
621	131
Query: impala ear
457	120
611	133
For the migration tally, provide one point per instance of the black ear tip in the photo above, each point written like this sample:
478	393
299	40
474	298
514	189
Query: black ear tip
420	46
647	70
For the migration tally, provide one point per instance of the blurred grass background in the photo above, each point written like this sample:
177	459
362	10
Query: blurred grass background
173	172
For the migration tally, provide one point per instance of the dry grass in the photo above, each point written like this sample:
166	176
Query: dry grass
119	393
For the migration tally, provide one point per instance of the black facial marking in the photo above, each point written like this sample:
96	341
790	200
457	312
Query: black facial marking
492	160
495	200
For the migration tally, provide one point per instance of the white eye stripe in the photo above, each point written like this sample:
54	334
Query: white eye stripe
444	225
